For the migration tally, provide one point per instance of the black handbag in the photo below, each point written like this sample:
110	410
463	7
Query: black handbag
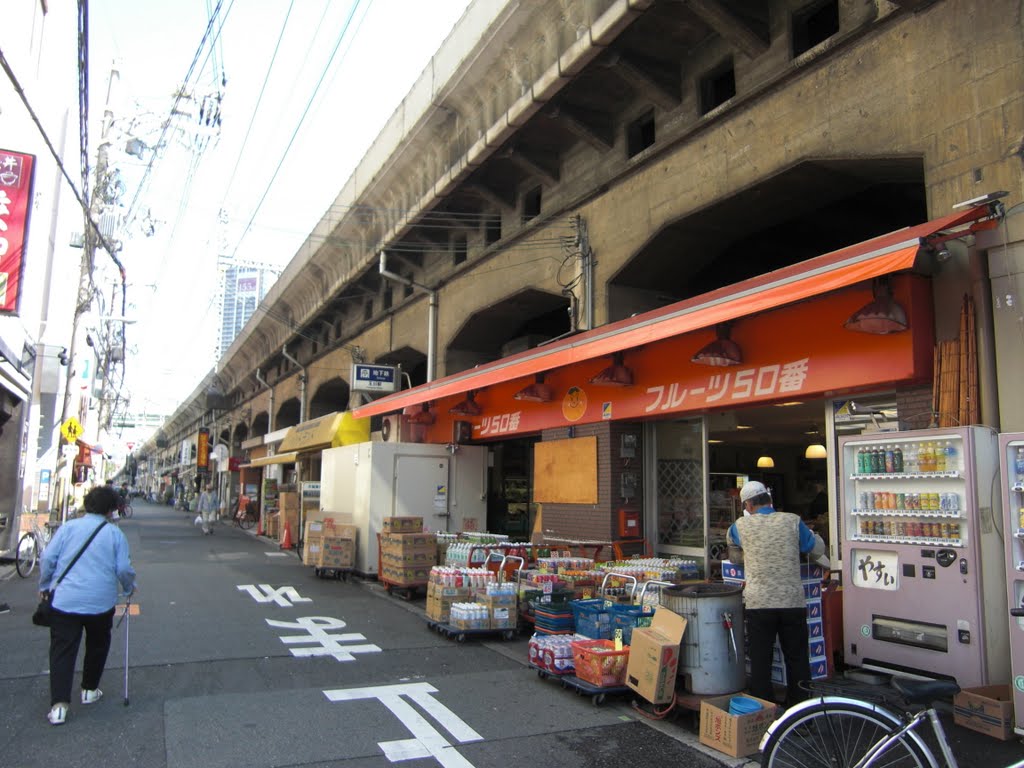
44	611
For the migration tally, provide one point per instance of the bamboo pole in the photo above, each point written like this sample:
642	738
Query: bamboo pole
961	410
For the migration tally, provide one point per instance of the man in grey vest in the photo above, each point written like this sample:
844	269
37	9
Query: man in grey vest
771	543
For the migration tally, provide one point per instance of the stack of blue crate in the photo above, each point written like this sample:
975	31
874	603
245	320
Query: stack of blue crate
811	576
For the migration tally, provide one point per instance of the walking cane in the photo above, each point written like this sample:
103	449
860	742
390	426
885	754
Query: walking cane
126	617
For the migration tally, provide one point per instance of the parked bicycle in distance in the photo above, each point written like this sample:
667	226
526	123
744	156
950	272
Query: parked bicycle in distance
847	732
30	549
246	515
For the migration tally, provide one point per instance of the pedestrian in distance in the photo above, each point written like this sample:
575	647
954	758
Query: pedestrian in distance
85	597
769	544
208	507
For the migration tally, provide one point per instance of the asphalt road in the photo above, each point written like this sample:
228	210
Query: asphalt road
212	682
240	656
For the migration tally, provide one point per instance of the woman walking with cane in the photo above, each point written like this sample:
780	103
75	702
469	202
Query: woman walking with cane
89	559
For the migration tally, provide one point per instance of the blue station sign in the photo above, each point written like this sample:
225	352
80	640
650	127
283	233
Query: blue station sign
374	378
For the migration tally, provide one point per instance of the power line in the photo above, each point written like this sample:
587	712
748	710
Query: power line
284	155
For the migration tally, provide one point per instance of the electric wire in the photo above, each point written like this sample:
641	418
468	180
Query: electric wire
165	128
57	159
284	155
259	101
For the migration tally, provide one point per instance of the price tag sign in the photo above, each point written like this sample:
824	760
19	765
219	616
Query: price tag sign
548	587
618	639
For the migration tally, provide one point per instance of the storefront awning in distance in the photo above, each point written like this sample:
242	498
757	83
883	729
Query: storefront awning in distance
830	272
328	431
289	457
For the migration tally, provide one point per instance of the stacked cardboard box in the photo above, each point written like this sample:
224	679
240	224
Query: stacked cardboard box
325	536
502	610
811	576
271	524
402	525
406	558
440	599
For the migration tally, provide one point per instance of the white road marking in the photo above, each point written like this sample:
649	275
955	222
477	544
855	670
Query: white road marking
427	741
281	595
329	644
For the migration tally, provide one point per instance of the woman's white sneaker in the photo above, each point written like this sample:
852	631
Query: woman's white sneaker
58	714
91	697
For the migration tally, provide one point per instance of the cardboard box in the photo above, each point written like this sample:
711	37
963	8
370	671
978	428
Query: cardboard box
402	525
311	548
337	553
736	735
288	501
271	525
419	541
404	576
987	709
654	656
401	557
503	617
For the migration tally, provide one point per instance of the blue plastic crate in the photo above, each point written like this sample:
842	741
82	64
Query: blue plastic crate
627	617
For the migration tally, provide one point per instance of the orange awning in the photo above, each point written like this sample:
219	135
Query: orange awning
857	263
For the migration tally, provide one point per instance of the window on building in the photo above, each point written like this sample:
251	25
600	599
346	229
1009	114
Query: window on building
640	134
492	228
814	24
531	204
717	86
460	249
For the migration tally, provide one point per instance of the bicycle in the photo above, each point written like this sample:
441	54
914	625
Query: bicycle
845	732
124	509
246	517
30	548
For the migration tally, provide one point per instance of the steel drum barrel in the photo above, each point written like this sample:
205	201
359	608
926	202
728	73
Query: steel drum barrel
711	657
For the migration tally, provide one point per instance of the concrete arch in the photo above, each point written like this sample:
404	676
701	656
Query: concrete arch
260	424
287	414
815	206
330	396
516	323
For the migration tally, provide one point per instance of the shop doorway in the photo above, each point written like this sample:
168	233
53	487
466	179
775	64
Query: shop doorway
510	506
678	477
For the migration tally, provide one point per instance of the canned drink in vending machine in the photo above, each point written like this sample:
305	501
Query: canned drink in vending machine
901	501
865	500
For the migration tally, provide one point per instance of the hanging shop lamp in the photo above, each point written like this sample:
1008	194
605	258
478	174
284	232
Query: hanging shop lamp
720	352
538	392
468	407
881	315
765	462
815	451
615	375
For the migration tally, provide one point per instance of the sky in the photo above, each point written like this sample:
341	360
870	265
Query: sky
261	183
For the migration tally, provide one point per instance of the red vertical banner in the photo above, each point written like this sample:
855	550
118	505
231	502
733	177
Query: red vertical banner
16	174
203	450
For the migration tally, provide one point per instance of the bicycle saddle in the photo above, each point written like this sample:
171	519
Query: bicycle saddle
924	691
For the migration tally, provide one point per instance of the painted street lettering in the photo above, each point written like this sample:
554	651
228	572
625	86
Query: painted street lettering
264	593
317	629
427	741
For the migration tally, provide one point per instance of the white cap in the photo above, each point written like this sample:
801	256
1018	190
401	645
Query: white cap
751	489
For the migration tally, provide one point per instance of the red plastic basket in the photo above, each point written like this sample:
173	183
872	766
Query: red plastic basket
598	663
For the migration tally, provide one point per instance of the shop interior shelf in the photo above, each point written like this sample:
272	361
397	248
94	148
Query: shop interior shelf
948	514
952	475
927	541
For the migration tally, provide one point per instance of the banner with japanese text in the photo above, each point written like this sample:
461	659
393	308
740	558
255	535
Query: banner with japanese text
16	175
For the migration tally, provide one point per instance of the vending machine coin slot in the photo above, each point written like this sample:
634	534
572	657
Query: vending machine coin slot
963	566
929	553
946	557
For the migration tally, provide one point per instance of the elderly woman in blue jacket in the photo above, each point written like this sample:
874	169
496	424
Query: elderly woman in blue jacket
84	599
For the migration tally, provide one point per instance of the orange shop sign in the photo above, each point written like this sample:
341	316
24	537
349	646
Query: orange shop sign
791	353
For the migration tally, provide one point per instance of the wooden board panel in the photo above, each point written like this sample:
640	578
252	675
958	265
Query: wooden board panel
565	471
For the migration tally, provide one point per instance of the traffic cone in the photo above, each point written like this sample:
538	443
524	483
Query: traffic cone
286	539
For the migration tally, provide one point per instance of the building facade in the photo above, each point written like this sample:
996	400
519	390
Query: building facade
578	197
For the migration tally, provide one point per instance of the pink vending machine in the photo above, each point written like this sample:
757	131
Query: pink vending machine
924	584
1011	460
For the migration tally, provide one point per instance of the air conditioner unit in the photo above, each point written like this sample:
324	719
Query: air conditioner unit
393	429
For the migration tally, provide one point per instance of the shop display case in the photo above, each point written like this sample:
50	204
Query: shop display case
1011	460
923	593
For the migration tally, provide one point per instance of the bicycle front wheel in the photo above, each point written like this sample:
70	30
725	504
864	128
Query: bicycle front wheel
28	553
838	734
128	511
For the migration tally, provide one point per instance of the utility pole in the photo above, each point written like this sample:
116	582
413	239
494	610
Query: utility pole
86	289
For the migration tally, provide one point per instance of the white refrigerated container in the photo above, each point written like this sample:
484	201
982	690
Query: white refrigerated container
446	486
1011	461
924	585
